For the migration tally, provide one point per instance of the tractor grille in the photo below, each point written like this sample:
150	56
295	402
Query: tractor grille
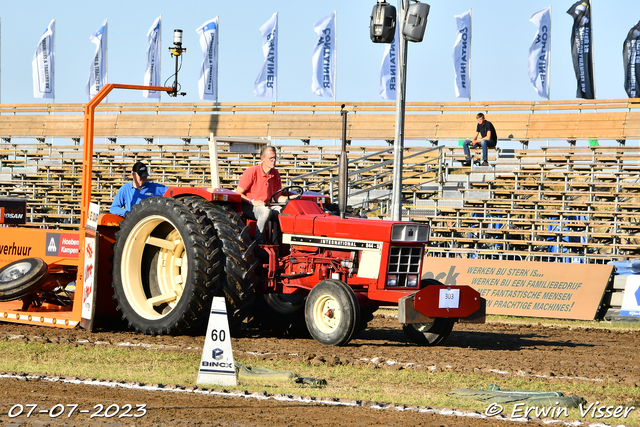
404	262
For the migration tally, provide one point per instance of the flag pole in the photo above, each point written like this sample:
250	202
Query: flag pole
106	56
0	60
335	59
335	55
276	58
53	68
159	60
593	54
470	41
217	52
549	61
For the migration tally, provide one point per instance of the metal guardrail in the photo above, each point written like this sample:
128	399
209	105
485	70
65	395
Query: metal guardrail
328	107
508	256
365	185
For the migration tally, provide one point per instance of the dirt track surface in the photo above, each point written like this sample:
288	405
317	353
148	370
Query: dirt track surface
556	354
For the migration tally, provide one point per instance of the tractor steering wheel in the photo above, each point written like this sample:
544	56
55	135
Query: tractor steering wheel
285	191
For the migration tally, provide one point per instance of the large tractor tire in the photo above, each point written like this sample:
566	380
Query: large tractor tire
429	334
22	277
237	259
163	269
332	312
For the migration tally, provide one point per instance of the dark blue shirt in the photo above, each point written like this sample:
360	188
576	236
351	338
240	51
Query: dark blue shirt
487	126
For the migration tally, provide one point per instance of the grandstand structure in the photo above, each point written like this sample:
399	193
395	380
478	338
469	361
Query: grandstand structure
570	199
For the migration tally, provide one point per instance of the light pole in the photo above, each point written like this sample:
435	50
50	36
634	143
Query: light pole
401	93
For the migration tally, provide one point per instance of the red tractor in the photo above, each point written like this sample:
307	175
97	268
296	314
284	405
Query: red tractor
170	255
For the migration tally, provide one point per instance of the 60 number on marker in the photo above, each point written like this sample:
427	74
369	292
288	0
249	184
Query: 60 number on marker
218	335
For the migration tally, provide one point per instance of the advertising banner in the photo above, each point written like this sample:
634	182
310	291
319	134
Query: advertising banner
523	288
581	48
462	56
43	65
389	69
540	51
98	70
323	58
266	83
207	83
631	58
152	72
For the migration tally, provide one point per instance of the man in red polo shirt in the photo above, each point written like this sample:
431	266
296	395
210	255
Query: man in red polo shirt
256	186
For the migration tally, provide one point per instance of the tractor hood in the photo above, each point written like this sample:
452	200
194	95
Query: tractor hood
303	217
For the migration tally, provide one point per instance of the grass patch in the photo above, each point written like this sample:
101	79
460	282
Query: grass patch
406	386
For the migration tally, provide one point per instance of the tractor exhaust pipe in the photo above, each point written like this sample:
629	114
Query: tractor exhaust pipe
343	170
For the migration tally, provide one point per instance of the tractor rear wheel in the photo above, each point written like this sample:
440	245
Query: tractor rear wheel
432	333
162	268
332	312
237	278
21	277
281	315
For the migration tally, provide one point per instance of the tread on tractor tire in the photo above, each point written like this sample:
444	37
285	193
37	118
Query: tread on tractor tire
20	278
429	334
237	279
280	315
163	269
332	312
366	316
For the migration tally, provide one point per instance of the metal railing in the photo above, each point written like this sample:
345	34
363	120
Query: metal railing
360	182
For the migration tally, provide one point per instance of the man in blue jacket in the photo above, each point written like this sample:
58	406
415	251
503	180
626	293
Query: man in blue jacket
138	189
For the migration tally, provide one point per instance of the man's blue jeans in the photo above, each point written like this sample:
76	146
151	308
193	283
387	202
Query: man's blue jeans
486	144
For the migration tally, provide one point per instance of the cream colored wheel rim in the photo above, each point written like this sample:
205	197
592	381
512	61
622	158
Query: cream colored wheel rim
327	314
171	268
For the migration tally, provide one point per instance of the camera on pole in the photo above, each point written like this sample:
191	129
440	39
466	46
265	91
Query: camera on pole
382	27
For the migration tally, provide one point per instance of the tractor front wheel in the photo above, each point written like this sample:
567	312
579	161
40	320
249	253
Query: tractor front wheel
332	312
432	333
429	334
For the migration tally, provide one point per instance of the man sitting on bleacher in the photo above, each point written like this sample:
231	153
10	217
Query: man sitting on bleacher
138	189
489	140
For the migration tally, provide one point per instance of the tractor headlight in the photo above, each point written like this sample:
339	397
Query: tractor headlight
392	280
412	280
410	233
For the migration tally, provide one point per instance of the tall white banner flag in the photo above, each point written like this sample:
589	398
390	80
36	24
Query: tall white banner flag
462	56
152	73
389	68
266	83
43	65
323	59
540	51
98	69
207	84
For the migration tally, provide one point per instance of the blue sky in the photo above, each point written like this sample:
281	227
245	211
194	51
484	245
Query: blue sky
501	35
